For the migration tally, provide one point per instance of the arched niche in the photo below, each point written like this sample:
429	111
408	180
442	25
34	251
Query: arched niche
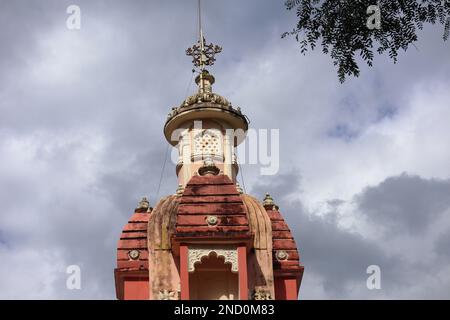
211	277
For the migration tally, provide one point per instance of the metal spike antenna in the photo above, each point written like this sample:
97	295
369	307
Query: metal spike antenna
201	39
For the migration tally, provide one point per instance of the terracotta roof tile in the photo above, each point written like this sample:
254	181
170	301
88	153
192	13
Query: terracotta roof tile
211	199
283	240
134	237
211	195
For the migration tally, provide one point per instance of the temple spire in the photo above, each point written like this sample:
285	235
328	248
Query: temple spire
202	54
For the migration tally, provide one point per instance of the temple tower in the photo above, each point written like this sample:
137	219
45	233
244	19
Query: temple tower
206	126
209	240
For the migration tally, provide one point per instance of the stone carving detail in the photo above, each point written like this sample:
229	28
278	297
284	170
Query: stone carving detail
282	255
208	168
212	220
217	101
196	254
261	294
134	254
208	142
201	97
168	295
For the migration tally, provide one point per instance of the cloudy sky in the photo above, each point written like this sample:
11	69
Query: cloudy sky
364	175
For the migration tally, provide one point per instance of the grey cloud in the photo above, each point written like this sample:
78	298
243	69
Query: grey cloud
339	256
406	202
442	246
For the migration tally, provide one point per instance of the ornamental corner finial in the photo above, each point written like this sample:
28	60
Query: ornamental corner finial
144	205
268	202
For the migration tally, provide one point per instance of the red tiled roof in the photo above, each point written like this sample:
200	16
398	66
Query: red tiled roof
134	237
185	217
211	195
282	240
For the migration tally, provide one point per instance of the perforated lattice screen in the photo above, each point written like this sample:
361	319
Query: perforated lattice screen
208	142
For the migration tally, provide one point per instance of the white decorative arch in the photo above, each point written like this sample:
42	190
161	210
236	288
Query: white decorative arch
195	255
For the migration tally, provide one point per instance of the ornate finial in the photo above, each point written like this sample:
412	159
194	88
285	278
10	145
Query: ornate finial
268	203
205	80
208	168
143	205
203	54
268	200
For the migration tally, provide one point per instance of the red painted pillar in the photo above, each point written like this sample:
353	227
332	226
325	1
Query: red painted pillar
184	272
136	289
291	289
243	278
